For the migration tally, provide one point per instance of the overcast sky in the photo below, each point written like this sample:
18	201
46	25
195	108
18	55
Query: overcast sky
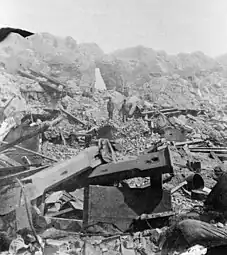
170	25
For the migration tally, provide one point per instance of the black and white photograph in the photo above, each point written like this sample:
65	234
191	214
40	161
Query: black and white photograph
113	127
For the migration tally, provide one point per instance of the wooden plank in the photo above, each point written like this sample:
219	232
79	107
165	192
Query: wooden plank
31	151
72	117
214	156
179	186
48	85
188	142
9	179
169	113
221	156
61	212
41	83
164	116
22	217
9	102
208	150
51	79
66	224
27	75
11	170
6	161
162	111
157	215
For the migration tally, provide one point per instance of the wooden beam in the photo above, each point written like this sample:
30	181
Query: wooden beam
66	224
4	171
67	210
31	151
208	150
8	179
48	85
72	117
162	111
188	142
179	186
51	79
41	83
215	156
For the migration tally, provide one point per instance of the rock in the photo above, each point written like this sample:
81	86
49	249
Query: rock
155	235
220	225
104	249
195	250
129	243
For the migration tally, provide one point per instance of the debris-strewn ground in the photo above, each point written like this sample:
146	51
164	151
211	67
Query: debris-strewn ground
205	119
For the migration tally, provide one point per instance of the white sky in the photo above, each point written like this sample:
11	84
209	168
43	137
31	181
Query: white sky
170	25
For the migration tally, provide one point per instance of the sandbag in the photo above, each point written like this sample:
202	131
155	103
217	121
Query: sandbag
217	199
188	233
199	232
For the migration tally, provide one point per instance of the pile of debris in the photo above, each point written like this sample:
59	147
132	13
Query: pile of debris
75	182
98	191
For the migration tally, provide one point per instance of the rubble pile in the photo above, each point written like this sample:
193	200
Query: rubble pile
59	151
135	137
49	54
75	182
